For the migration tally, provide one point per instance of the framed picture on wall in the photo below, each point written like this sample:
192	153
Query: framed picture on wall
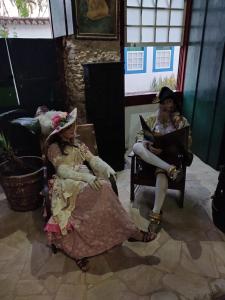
96	19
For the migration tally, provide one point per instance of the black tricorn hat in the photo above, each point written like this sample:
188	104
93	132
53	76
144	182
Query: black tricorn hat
166	93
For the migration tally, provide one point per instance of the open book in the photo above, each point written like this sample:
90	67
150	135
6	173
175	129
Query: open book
178	137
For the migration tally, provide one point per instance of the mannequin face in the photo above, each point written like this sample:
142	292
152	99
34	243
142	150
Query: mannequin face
68	133
167	106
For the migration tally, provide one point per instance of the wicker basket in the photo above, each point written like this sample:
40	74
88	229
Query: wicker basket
23	192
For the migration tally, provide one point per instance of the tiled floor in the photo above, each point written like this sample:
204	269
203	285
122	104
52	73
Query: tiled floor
186	261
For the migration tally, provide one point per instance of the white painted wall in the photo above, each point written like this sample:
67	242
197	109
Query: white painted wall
132	121
30	31
141	82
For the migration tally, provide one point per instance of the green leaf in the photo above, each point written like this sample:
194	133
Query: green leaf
4	144
22	8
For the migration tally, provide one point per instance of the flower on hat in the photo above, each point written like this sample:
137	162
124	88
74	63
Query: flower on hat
59	120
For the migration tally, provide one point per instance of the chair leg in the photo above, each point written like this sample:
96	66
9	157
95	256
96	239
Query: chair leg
132	188
54	248
180	200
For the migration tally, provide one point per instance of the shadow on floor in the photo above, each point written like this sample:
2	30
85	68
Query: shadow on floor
190	224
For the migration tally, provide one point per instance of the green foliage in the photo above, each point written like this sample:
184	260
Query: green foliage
22	7
5	148
4	143
4	33
15	163
157	84
6	151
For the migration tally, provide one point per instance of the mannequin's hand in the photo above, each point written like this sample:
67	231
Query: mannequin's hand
95	184
178	122
109	171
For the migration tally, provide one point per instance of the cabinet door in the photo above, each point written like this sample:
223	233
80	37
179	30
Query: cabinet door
7	89
35	78
104	90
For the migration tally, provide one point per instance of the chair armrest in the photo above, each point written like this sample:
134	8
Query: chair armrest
113	184
45	194
131	154
13	114
31	124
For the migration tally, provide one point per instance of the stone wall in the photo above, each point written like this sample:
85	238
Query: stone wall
77	52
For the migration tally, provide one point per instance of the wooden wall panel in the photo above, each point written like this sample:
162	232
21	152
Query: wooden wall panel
204	82
216	155
209	76
193	57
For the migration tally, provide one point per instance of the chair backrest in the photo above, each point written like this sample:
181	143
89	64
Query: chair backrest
86	133
18	127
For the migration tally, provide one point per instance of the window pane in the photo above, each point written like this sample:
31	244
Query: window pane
175	35
133	34
176	18
163	3
161	35
133	2
163	59
177	4
135	60
147	34
162	17
133	16
148	17
148	3
152	79
168	13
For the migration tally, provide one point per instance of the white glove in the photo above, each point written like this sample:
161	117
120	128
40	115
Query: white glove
109	171
89	178
101	168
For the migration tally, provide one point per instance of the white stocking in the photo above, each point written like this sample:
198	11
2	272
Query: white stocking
160	192
149	157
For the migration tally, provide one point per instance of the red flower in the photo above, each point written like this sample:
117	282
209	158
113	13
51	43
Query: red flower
56	120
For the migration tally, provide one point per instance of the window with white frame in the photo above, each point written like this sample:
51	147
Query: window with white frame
135	60
158	26
163	59
154	22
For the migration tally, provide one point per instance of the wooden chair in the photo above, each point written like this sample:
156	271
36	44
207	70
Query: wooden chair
144	174
86	133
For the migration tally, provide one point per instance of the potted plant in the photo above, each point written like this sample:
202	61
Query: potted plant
21	177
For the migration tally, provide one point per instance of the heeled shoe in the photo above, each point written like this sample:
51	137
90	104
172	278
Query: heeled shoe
154	222
146	237
82	264
174	174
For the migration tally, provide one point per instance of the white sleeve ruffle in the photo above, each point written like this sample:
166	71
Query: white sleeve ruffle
64	171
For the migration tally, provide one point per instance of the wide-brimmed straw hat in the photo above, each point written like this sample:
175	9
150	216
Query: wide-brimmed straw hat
61	121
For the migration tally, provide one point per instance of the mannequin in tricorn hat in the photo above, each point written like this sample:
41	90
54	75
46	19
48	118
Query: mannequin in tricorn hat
87	216
166	120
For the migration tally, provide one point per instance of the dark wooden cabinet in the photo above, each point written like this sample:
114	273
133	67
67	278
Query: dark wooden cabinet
38	77
104	91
